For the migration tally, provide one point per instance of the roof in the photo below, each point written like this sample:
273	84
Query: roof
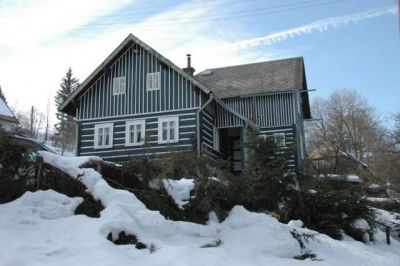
258	78
5	112
68	106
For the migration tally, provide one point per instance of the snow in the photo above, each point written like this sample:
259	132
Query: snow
348	178
179	190
374	186
391	219
40	229
295	223
5	110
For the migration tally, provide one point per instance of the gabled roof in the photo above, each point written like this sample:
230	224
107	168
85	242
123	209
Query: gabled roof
258	78
255	78
68	107
5	112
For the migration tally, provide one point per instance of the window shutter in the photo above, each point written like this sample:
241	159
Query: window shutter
122	85
115	86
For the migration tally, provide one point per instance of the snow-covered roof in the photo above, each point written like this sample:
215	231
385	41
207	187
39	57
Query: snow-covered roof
6	113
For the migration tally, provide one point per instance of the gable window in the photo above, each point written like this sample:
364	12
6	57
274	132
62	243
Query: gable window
279	139
153	81
119	86
215	138
103	136
168	129
135	132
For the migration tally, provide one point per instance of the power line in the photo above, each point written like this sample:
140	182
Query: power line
213	17
240	14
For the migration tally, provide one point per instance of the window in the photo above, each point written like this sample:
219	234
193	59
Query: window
119	86
168	129
135	132
279	139
153	81
216	138
103	136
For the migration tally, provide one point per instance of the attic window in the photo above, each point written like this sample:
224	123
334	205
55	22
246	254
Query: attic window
119	86
153	81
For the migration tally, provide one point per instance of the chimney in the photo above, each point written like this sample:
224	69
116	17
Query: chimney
189	69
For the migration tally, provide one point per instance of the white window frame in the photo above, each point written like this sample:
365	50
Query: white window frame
168	119
151	78
97	127
128	124
119	86
215	138
280	139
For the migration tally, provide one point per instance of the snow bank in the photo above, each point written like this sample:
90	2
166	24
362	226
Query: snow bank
244	238
179	190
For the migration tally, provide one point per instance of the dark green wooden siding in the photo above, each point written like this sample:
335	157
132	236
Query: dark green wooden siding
187	135
176	92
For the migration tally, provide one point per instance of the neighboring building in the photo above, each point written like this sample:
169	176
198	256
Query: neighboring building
7	119
137	102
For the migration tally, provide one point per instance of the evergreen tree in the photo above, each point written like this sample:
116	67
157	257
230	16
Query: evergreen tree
269	183
2	96
65	127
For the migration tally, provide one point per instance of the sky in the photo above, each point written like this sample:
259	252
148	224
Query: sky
353	44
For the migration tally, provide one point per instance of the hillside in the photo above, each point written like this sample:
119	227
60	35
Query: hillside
40	228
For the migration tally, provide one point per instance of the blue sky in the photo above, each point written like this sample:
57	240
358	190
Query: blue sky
345	43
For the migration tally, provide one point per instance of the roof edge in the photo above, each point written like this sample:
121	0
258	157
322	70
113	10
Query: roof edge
109	58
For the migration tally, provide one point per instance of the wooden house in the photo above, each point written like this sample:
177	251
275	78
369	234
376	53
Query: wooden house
137	102
8	121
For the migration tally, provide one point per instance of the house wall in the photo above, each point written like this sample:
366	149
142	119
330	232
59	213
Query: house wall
187	135
177	96
269	110
176	93
275	113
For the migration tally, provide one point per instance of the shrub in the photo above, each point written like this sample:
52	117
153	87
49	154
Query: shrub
267	181
331	207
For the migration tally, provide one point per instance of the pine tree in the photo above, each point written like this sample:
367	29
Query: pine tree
2	96
269	183
65	134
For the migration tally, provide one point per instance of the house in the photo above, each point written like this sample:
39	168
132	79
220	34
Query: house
137	102
7	119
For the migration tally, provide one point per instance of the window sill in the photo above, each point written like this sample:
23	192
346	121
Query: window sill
102	147
134	144
167	141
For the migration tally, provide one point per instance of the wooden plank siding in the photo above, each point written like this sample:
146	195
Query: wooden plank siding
290	140
269	110
176	93
187	135
274	113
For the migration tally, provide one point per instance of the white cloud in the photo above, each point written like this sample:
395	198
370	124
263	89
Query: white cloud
39	43
320	26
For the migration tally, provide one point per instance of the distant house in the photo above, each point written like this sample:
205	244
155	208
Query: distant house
7	119
137	102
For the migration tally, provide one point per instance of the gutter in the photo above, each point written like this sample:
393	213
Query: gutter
198	121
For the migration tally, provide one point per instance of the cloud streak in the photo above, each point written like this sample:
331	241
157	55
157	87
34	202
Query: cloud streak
317	26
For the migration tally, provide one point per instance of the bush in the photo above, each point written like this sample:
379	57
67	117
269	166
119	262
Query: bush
267	181
333	207
14	169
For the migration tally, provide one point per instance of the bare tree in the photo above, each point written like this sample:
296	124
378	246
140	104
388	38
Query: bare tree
30	122
346	123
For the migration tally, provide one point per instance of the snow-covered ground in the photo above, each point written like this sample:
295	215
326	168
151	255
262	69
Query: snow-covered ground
40	229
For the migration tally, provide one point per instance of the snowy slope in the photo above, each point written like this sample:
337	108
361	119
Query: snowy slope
40	229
